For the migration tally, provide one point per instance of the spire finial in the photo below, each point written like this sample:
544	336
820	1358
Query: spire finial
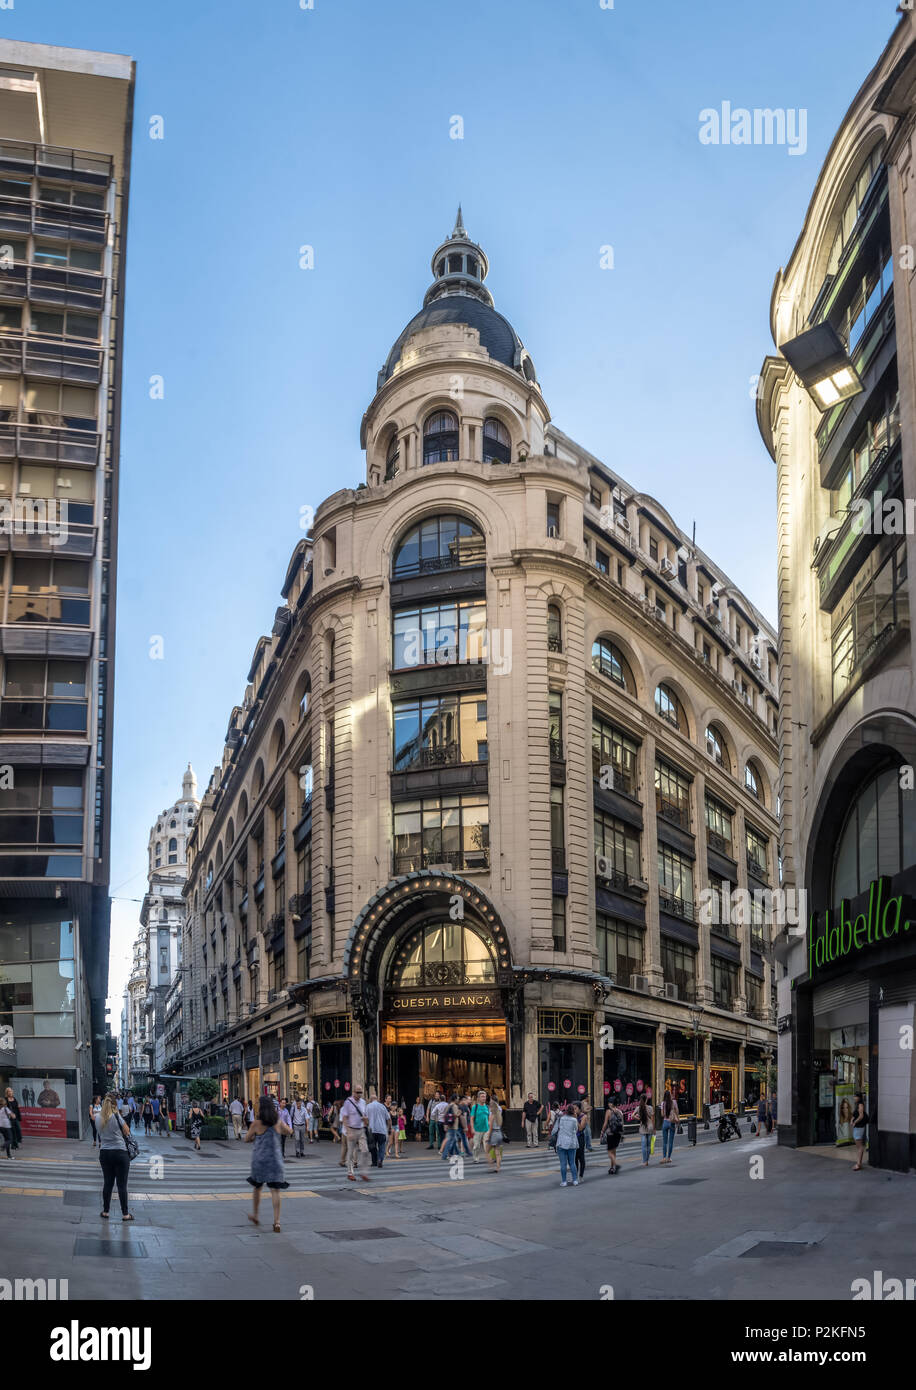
459	229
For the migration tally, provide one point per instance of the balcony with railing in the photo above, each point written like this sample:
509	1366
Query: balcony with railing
57	285
718	842
757	867
31	160
415	860
677	812
677	907
48	443
22	217
50	359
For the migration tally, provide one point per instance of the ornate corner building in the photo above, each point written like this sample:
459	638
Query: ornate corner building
840	423
510	732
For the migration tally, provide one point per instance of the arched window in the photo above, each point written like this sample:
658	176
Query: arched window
163	915
668	707
438	543
752	781
173	851
497	446
554	629
440	438
716	747
306	782
609	661
877	837
305	697
391	458
444	953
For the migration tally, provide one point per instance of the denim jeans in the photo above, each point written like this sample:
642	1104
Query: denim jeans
451	1143
646	1141
567	1163
668	1128
435	1134
377	1146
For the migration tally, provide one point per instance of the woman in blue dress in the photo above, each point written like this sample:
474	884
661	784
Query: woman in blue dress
267	1159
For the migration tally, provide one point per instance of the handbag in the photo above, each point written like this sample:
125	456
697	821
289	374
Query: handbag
131	1145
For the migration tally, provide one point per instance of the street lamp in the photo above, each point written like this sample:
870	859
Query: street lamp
819	357
696	1013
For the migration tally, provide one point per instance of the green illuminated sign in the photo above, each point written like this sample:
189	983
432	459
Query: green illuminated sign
842	935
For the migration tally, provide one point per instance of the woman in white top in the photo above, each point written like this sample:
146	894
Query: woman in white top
95	1116
566	1129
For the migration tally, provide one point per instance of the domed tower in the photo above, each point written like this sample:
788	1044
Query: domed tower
168	840
502	417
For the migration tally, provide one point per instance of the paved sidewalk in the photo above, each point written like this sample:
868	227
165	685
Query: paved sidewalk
742	1220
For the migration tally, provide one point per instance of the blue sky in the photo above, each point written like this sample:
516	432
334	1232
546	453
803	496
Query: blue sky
330	127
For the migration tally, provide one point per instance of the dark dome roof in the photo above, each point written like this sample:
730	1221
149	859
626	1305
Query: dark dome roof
496	333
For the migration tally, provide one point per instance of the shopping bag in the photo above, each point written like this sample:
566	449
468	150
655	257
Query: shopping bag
652	1145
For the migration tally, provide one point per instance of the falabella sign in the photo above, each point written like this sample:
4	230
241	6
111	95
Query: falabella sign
843	935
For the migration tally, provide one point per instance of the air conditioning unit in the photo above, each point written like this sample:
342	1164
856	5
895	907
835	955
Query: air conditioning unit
639	883
666	566
552	532
622	522
640	982
670	991
713	614
255	957
604	867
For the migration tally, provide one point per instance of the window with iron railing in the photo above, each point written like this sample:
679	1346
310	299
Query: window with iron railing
679	965
621	947
724	982
611	748
675	883
440	830
756	852
618	843
672	794
439	731
718	826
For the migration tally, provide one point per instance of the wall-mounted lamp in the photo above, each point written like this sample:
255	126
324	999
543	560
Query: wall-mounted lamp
819	358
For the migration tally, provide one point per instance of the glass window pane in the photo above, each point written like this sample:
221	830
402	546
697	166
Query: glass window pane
52	986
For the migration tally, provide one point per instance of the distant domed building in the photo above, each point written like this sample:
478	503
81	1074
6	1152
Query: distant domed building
157	950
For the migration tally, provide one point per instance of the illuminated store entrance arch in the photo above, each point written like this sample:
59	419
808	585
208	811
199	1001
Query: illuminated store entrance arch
430	978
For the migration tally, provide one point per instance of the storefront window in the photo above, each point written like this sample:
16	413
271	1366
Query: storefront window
628	1071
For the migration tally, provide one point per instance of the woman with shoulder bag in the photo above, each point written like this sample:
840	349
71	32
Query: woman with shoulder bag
115	1149
566	1129
612	1133
646	1129
670	1119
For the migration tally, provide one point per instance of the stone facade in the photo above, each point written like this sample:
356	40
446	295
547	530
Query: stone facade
610	644
846	665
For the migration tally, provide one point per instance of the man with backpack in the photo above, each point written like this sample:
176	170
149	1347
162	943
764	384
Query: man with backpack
613	1129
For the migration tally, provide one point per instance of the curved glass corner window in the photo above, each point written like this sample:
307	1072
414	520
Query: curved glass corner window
609	661
877	837
438	543
668	707
497	445
440	438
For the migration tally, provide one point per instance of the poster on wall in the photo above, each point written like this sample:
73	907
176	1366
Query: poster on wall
842	1095
825	1090
42	1106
